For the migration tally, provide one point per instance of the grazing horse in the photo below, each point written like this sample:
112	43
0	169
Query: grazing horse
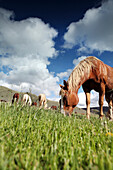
109	99
27	100
54	107
91	73
34	104
15	98
42	101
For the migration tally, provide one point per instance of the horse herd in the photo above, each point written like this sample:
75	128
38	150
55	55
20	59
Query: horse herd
92	74
26	100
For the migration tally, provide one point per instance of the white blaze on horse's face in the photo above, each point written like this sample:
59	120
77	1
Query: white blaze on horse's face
69	99
62	93
62	109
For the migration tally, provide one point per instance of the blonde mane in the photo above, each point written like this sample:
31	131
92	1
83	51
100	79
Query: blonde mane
80	72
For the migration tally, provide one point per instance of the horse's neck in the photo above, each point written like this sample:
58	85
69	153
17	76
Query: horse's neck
80	74
76	83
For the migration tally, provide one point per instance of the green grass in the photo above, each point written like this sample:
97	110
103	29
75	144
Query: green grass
43	139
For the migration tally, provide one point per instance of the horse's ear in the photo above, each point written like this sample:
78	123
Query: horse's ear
66	84
61	86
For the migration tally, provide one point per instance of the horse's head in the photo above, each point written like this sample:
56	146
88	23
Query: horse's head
69	98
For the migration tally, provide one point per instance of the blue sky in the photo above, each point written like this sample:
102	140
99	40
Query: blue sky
42	41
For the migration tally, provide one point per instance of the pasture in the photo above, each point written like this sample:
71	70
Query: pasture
44	139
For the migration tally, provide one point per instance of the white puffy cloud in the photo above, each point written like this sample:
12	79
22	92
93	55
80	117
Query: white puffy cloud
25	47
67	73
30	36
94	31
94	100
77	61
64	74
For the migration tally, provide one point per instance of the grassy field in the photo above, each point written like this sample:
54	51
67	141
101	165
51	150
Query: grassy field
43	139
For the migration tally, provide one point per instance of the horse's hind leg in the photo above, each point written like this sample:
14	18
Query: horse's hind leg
45	104
88	104
110	115
40	104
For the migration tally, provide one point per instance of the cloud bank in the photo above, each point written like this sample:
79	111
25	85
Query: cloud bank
25	47
94	31
94	100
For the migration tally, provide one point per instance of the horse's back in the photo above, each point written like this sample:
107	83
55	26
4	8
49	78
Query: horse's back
16	95
42	97
15	98
42	100
27	98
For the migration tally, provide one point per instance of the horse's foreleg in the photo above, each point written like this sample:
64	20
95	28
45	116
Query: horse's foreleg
88	104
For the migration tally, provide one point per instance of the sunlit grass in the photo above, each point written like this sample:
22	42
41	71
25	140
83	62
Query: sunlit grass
43	139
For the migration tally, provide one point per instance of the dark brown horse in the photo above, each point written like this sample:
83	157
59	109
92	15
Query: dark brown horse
109	99
15	98
54	107
91	73
34	104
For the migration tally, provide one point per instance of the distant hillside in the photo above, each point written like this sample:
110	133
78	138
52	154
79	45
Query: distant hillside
7	95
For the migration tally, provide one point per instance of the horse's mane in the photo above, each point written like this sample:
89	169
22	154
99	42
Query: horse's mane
80	72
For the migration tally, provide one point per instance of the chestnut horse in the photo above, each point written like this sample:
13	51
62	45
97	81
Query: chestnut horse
27	100
91	73
109	99
54	107
42	101
15	98
34	104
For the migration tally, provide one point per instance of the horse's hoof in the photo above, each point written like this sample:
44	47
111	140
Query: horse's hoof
101	117
111	119
88	117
